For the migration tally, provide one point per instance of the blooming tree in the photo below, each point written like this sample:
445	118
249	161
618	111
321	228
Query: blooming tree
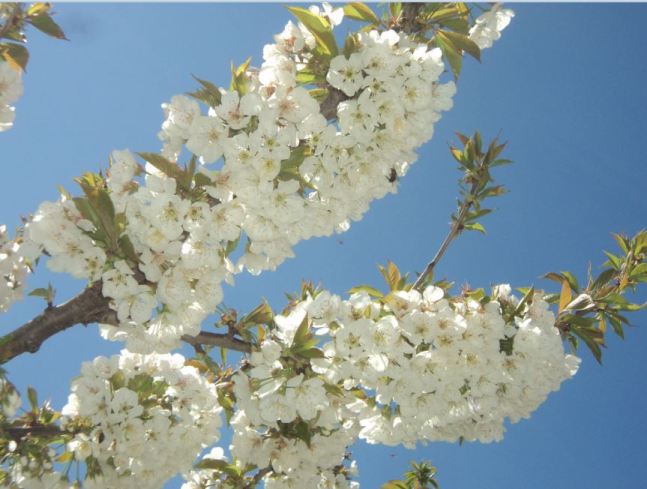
294	149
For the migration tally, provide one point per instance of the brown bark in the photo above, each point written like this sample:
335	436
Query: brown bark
87	307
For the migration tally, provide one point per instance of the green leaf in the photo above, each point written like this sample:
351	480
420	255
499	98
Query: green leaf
492	191
391	275
372	291
351	45
15	54
302	334
127	248
463	42
33	399
319	94
47	294
395	8
564	296
307	77
231	246
320	29
44	23
303	432
394	485
476	226
603	278
333	390
592	337
167	167
238	77
65	457
614	261
310	353
461	26
451	52
361	11
201	180
572	281
212	464
38	8
622	241
262	314
209	93
290	167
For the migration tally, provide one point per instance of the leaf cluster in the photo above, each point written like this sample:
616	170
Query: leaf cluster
109	227
585	312
12	37
421	476
477	183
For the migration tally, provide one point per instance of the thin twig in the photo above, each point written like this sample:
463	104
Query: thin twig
215	339
257	478
455	230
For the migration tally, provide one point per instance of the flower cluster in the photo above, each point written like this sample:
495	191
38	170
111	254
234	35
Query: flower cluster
416	366
13	270
288	418
10	91
59	229
150	416
36	471
488	26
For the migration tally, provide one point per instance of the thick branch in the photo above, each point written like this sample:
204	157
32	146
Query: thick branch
17	433
88	307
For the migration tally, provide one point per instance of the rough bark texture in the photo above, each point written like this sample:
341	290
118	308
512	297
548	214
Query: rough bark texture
88	307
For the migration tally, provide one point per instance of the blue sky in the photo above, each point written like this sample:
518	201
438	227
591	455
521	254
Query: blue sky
565	86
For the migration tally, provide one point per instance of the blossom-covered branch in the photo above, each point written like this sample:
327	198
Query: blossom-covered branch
287	176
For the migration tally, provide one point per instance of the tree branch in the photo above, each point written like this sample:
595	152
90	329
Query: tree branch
258	477
455	230
215	339
17	433
90	306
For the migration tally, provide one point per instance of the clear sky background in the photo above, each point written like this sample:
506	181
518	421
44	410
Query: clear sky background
566	86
